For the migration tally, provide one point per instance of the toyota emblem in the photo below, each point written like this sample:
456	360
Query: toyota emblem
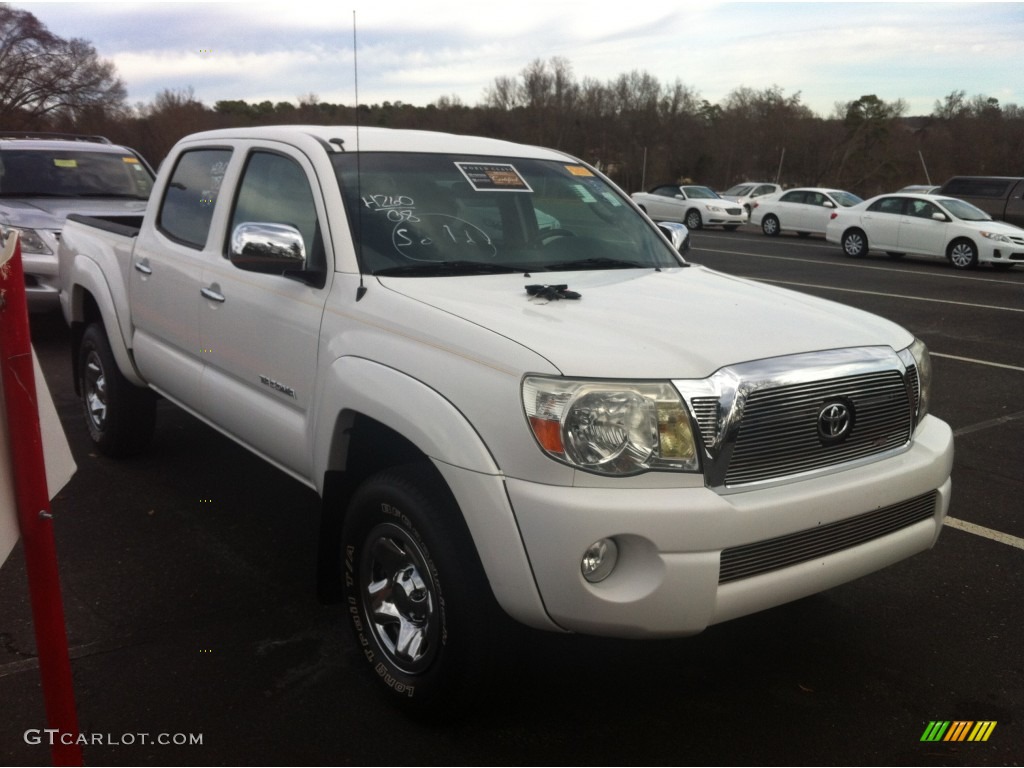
835	420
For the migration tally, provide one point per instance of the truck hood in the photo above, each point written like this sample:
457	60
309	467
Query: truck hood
49	213
676	323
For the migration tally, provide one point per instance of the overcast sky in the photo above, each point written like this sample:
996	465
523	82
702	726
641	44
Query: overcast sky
416	52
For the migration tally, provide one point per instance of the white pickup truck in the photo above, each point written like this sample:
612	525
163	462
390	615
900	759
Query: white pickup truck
514	395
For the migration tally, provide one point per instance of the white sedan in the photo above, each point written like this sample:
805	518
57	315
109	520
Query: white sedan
930	225
802	210
747	193
693	205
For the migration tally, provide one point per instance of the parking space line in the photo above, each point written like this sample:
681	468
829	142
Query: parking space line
988	533
959	277
891	295
978	362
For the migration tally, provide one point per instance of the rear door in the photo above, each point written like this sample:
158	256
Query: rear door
166	274
882	223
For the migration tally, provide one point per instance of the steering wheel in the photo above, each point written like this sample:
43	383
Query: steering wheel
550	234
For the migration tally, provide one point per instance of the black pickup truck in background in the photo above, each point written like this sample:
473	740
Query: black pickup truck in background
999	196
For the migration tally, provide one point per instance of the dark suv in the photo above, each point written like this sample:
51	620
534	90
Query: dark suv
46	176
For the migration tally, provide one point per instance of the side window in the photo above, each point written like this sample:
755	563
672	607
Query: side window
666	191
922	208
888	205
792	197
191	196
274	189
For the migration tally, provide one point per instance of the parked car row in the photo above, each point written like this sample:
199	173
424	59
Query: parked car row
923	220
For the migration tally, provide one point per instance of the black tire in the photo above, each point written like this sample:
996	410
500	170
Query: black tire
120	416
855	243
962	254
770	225
425	621
693	220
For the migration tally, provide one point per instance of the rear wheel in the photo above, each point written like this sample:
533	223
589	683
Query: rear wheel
119	415
855	243
424	618
770	225
962	254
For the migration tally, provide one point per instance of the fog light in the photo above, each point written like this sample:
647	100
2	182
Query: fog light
599	560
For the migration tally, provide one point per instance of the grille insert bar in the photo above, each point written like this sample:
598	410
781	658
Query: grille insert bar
750	560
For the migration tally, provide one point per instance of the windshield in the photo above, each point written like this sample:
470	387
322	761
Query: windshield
433	214
963	210
700	193
845	199
72	173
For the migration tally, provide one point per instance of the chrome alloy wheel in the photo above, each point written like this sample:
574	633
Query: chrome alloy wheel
399	598
95	382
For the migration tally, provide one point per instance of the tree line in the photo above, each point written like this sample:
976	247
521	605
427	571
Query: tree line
637	129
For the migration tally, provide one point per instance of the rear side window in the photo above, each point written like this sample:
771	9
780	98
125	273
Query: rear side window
191	196
977	187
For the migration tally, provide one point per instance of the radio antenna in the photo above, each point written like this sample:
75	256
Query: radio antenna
361	291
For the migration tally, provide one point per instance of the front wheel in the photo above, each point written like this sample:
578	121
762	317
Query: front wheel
855	243
424	618
962	254
119	415
693	220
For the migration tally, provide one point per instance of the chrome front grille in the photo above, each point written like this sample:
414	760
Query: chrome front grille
779	433
776	420
760	557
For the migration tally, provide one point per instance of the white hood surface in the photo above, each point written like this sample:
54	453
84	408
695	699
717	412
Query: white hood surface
637	324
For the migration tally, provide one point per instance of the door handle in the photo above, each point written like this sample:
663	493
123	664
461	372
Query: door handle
212	293
143	267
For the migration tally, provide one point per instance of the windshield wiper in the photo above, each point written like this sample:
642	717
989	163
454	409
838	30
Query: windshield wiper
597	263
436	268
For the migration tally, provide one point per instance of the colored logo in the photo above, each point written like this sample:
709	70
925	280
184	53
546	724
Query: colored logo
958	730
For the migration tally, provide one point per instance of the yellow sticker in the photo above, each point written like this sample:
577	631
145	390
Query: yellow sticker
578	170
65	163
130	159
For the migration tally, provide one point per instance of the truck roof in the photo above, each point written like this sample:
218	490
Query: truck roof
347	138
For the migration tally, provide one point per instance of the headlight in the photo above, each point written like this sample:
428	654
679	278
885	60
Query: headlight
715	209
30	240
612	428
917	355
996	236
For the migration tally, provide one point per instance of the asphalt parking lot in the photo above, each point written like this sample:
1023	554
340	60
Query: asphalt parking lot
188	579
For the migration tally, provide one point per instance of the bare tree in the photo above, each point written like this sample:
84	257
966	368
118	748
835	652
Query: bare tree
46	80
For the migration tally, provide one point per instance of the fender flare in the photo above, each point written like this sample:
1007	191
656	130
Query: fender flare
88	278
399	401
435	426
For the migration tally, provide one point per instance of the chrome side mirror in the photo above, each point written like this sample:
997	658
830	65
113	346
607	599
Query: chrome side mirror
677	234
268	248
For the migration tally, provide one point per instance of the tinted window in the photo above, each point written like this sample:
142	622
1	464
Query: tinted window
922	209
977	187
191	195
274	189
73	173
887	205
797	196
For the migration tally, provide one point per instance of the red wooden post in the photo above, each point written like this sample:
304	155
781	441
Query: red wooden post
34	518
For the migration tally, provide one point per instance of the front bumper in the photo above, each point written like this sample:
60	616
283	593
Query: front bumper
667	581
